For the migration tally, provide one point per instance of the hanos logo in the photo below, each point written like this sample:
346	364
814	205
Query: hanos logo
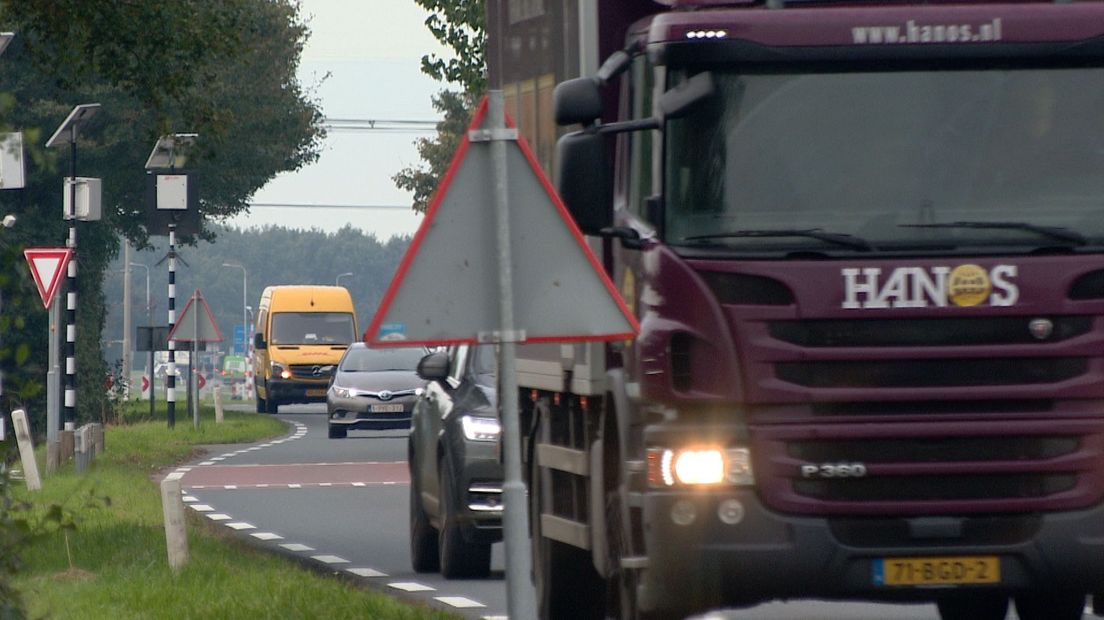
920	287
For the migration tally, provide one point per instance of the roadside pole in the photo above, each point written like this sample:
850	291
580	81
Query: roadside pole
521	600
53	390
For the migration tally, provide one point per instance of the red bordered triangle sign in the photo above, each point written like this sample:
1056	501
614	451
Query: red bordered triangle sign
47	268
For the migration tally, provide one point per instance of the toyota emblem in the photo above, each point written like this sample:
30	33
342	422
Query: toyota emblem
384	395
1041	329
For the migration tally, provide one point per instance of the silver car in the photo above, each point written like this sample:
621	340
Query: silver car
373	389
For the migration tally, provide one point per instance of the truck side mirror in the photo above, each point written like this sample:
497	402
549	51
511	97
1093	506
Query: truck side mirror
577	101
582	180
434	367
259	341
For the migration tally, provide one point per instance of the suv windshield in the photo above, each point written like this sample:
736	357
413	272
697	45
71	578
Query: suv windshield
312	328
890	158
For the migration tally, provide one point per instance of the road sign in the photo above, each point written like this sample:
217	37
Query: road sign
145	383
239	338
446	289
196	324
47	267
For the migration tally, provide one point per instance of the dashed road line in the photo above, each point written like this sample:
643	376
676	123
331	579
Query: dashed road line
266	536
201	508
241	525
411	586
330	559
296	547
218	516
366	572
460	602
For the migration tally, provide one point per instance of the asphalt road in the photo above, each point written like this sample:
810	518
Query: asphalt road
341	506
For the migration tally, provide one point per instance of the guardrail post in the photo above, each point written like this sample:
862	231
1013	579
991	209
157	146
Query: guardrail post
83	446
26	449
176	535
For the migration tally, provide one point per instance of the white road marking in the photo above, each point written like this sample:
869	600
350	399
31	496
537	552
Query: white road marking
183	469
207	463
176	475
411	586
495	618
365	572
330	559
325	484
188	498
295	485
459	602
263	485
266	536
218	516
241	525
296	547
201	508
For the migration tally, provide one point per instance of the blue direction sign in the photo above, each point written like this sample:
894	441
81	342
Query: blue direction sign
239	339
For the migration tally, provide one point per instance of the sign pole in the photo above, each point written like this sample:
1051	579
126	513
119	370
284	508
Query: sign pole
170	375
193	363
521	601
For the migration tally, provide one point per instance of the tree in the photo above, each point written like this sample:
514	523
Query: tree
225	70
460	25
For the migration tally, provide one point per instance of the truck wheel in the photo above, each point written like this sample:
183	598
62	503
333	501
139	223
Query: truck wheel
459	558
423	536
566	583
980	606
1049	605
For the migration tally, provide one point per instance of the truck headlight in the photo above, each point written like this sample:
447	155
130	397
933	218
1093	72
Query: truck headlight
478	428
699	466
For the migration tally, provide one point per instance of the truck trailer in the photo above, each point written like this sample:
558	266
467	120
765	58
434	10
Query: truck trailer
865	245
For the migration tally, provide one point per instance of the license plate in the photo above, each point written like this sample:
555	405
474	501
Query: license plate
386	408
316	392
936	571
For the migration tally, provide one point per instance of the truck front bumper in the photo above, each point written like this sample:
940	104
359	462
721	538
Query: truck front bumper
708	563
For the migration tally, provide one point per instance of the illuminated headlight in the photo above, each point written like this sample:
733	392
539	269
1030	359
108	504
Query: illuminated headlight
344	392
699	467
480	429
279	370
707	34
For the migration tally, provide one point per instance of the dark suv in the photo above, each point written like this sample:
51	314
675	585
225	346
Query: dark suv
455	472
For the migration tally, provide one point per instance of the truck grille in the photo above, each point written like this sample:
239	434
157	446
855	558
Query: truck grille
307	372
1018	466
922	332
930	373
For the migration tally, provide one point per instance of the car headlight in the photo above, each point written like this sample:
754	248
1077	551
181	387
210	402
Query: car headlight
478	428
344	392
699	466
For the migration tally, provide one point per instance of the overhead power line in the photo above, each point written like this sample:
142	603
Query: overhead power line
379	124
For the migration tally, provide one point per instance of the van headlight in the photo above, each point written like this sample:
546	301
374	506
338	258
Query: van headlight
279	370
699	466
478	428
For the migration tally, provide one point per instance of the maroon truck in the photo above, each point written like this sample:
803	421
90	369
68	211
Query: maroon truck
865	243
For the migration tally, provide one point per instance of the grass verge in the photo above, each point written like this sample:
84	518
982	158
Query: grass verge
114	565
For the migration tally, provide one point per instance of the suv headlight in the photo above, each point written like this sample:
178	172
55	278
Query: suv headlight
477	428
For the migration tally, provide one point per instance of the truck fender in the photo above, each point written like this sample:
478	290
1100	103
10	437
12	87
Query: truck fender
616	404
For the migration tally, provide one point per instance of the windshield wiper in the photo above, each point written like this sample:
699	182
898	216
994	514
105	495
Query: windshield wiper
1054	232
850	241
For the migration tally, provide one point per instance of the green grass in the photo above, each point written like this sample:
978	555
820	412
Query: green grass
114	565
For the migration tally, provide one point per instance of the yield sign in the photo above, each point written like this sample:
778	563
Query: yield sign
47	266
446	288
196	324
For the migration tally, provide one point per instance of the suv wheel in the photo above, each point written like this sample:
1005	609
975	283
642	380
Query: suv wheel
459	558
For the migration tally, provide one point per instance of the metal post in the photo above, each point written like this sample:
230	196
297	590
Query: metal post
127	320
71	282
520	602
170	375
194	367
53	387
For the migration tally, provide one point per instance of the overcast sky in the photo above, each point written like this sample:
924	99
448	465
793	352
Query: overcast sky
372	51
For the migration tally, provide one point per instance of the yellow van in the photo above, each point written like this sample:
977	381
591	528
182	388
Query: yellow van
302	332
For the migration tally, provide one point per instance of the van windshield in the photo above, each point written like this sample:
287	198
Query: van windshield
312	328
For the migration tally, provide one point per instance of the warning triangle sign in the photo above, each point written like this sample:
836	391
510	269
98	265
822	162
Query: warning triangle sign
196	323
47	269
446	288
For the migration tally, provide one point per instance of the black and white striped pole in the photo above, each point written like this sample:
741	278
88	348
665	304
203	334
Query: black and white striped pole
172	197
170	376
67	134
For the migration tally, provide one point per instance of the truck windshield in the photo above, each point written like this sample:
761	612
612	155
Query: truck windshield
897	159
312	328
